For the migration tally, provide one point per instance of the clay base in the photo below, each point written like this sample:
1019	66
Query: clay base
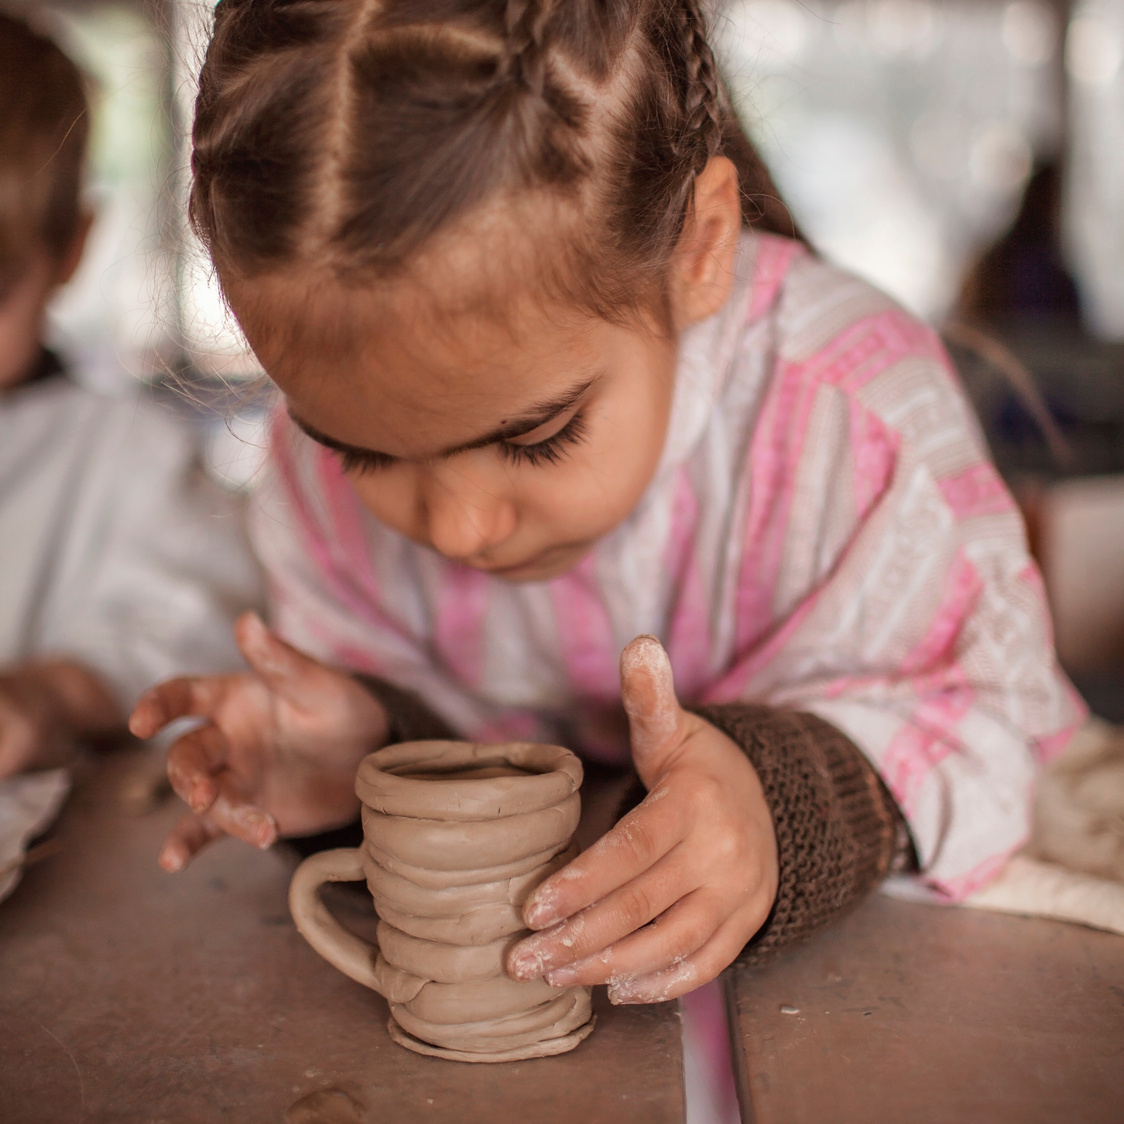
544	1049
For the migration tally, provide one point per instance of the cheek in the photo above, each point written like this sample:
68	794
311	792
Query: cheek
390	495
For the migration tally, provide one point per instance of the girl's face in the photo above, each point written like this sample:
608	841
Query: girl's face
510	444
510	453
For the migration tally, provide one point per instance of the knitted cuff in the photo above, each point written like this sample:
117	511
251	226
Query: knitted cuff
410	719
837	827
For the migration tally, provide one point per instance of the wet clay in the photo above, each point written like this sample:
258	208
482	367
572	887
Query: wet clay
456	835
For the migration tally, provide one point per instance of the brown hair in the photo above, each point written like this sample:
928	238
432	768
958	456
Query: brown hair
43	134
344	134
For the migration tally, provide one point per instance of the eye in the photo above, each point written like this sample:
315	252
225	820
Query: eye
550	451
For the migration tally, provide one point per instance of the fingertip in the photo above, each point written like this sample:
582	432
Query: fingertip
644	651
250	624
172	859
203	794
525	963
143	722
540	910
268	834
251	634
258	827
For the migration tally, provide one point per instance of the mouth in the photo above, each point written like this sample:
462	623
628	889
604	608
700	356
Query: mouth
540	567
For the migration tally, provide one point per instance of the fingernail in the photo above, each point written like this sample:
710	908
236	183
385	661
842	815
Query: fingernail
541	911
262	826
620	994
198	801
562	977
171	861
527	966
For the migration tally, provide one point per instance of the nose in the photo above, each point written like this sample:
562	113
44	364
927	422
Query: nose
464	517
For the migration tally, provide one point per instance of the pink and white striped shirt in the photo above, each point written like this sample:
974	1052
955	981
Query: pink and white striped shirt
824	532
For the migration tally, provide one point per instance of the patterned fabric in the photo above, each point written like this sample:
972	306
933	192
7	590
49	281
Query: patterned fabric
824	532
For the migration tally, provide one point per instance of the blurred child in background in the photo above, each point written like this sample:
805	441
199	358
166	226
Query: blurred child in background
119	562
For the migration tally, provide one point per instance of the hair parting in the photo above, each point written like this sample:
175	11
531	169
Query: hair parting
345	136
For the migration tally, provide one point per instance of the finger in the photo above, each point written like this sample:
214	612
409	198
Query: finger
193	763
283	668
633	845
190	835
655	717
237	816
668	940
15	742
189	697
600	925
693	971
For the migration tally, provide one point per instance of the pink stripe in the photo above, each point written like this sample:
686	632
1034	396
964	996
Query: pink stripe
462	604
870	346
318	545
963	586
921	745
774	458
735	685
1049	748
774	259
511	726
688	636
281	452
346	515
585	634
910	758
875	450
976	491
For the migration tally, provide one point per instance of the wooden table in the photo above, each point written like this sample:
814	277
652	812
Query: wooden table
132	996
917	1014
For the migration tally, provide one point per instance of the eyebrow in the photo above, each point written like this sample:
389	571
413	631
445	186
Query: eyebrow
517	427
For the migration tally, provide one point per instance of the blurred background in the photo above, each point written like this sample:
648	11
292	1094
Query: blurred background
965	155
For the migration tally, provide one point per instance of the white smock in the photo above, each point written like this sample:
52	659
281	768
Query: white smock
116	550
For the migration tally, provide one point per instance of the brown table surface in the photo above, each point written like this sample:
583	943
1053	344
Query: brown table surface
920	1014
132	996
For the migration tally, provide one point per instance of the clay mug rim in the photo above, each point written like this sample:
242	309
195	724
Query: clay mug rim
552	774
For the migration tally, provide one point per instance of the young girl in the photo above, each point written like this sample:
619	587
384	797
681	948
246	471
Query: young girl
547	397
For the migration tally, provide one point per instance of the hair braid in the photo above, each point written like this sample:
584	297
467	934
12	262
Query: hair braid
702	91
524	57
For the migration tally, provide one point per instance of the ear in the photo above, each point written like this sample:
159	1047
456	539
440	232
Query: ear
69	262
703	267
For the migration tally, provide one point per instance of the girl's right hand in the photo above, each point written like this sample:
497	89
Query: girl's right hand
279	750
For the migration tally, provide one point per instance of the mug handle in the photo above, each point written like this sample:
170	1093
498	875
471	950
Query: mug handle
342	949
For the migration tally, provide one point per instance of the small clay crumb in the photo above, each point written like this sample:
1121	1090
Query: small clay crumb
787	1010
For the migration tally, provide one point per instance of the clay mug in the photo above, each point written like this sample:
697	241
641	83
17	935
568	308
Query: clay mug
456	835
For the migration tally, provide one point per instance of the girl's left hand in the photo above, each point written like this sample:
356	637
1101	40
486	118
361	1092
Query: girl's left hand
668	898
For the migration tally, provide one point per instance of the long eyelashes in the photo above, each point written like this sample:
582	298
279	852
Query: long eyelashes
362	463
550	451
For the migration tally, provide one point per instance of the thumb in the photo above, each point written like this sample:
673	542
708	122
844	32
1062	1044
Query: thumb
284	669
655	718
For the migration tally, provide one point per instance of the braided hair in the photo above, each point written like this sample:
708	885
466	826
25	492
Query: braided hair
346	134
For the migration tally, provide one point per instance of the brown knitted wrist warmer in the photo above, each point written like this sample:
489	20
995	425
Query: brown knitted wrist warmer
410	719
837	827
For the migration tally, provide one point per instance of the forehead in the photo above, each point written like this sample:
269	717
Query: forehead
405	373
